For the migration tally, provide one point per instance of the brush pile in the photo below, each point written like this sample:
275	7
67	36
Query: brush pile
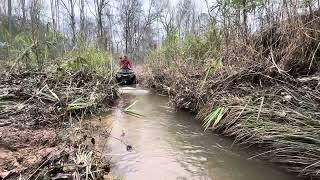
35	108
266	94
49	153
279	114
48	99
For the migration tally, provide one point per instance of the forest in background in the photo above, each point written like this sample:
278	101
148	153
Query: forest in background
131	27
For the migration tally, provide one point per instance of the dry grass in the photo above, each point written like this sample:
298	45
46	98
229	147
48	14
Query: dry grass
30	102
265	94
51	98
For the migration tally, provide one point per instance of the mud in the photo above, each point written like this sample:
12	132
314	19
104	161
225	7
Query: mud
24	148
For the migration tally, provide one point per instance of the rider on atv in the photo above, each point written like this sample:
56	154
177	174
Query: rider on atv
125	75
125	63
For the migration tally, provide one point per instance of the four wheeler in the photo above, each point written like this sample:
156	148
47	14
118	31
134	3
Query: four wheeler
126	77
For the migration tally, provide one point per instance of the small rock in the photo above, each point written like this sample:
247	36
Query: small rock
69	168
4	174
106	168
282	114
287	97
129	147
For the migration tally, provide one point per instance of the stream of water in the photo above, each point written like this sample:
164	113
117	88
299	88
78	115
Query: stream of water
171	145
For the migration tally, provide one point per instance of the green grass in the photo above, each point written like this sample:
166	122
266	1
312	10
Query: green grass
213	118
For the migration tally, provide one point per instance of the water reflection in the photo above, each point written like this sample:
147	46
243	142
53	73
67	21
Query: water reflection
172	145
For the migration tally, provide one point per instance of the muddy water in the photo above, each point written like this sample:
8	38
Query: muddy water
172	145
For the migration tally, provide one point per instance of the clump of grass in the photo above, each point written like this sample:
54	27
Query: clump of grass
89	60
283	120
213	118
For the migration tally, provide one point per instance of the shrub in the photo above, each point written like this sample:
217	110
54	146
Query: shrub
89	59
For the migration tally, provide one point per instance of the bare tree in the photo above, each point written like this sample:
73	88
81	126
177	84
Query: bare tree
23	9
0	9
82	17
100	6
167	19
130	13
9	17
35	18
184	13
143	38
245	16
57	9
70	11
137	25
110	30
53	16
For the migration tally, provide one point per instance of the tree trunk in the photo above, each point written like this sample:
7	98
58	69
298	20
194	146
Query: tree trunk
126	32
57	14
238	21
111	35
309	6
100	27
193	24
23	9
9	17
32	16
82	18
267	9
53	16
73	23
101	37
244	13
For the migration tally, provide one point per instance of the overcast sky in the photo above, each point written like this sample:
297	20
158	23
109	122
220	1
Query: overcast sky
46	11
200	5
